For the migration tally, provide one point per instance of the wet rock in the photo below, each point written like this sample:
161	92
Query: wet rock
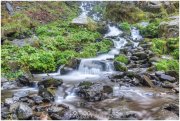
107	89
57	108
134	58
37	99
117	114
85	84
5	114
22	110
46	94
167	84
146	45
24	81
103	29
73	63
72	115
159	73
50	82
164	77
66	70
8	101
20	94
173	74
120	66
95	92
140	55
9	85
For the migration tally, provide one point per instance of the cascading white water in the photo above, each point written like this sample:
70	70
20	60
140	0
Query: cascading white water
135	34
94	66
113	31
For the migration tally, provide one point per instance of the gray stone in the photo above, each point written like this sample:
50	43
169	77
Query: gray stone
8	101
24	111
140	55
9	8
169	28
164	77
80	20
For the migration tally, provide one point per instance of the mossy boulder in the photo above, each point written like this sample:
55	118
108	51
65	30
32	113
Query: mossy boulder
120	66
122	58
169	28
85	84
47	94
50	82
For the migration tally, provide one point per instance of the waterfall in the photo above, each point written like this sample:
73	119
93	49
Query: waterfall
93	66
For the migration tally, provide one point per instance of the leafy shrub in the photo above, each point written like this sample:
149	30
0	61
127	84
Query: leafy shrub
166	65
175	54
125	26
151	30
122	58
172	44
158	46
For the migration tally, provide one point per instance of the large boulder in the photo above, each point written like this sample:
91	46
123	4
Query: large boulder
120	66
46	93
73	63
33	41
170	28
141	55
163	77
22	110
93	91
24	80
9	85
80	20
50	82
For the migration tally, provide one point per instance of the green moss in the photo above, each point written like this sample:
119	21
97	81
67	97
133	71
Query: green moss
166	65
122	58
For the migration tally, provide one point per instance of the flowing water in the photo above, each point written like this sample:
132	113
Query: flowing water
142	101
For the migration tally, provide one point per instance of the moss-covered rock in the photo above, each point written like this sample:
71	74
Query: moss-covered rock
50	82
122	59
169	28
120	66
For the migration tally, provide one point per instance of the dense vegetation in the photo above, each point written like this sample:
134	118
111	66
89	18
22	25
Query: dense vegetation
57	42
